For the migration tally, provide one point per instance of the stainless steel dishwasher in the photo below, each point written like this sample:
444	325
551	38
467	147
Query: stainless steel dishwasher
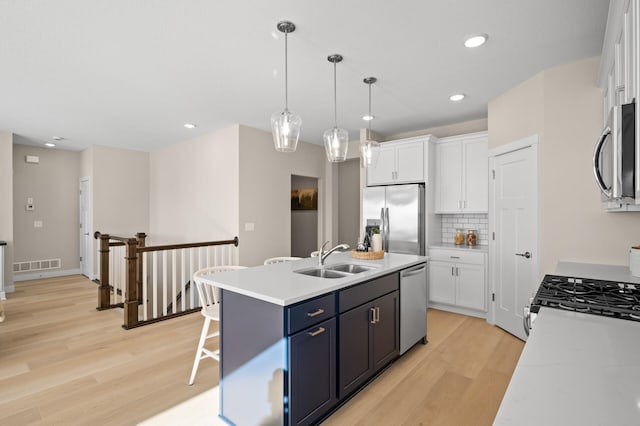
413	306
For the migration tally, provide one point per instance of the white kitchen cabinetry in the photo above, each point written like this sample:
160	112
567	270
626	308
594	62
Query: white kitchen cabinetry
457	281
403	161
619	63
462	180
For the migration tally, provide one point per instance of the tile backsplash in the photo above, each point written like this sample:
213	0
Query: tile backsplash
479	222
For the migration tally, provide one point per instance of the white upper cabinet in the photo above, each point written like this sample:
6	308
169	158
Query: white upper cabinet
400	162
462	174
619	63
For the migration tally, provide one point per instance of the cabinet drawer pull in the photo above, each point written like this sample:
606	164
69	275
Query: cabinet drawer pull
373	315
320	330
315	313
455	257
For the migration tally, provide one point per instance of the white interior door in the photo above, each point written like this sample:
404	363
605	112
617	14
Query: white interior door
86	258
514	220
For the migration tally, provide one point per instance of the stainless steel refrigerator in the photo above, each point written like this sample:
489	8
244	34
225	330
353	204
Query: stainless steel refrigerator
398	212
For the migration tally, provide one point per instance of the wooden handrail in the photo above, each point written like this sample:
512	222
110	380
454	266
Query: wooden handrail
188	245
135	247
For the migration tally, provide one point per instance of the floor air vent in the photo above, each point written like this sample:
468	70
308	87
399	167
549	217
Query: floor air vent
36	265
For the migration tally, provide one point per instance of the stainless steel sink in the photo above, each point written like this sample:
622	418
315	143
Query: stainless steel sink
322	273
336	271
351	268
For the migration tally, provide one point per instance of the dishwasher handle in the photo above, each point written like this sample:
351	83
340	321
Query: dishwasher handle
413	271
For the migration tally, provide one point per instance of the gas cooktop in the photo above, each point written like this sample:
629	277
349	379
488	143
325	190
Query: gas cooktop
597	297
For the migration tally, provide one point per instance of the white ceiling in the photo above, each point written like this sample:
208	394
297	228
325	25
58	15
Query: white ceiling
129	74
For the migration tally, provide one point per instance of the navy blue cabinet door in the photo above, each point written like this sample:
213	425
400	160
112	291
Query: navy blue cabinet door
386	342
368	341
312	389
354	348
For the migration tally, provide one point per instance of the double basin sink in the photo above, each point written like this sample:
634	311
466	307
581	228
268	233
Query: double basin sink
337	271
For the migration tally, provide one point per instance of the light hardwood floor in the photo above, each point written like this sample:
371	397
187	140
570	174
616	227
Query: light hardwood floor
63	362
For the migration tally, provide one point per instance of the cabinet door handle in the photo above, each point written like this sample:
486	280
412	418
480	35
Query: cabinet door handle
457	272
320	330
464	204
315	313
373	315
452	271
377	314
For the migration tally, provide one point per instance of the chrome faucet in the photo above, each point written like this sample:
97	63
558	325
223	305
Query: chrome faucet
322	255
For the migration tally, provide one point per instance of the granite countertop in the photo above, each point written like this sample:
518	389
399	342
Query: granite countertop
478	248
280	285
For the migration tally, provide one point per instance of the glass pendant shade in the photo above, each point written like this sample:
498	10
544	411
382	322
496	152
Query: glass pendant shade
369	148
285	127
336	142
369	153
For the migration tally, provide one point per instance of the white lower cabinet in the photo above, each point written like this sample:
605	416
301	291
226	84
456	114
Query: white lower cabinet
457	281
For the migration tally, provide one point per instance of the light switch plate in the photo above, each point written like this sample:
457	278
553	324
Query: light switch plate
37	224
250	226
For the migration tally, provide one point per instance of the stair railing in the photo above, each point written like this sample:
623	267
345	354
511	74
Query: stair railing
152	283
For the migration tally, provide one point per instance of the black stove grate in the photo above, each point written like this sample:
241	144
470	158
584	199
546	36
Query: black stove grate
597	297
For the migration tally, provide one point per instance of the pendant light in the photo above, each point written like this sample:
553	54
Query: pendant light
369	147
285	125
336	140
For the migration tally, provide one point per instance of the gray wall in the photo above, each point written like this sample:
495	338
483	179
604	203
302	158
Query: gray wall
304	223
6	204
265	199
349	202
53	184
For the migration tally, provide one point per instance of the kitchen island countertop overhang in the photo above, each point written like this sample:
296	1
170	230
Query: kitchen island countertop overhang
280	284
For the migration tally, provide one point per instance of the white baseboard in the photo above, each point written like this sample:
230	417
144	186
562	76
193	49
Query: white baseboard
47	274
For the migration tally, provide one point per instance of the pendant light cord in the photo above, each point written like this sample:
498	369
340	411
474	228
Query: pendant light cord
286	72
335	97
370	116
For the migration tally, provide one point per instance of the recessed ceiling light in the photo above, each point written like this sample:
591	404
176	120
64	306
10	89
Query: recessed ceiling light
57	138
368	117
50	144
457	97
190	126
475	40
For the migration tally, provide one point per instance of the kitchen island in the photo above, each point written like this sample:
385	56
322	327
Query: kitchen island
293	347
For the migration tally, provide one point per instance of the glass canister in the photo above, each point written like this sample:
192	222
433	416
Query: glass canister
472	237
458	238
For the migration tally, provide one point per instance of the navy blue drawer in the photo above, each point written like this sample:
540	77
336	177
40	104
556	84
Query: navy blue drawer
365	292
311	312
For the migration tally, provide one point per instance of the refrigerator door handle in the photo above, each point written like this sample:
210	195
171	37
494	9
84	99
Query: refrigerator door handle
382	224
387	230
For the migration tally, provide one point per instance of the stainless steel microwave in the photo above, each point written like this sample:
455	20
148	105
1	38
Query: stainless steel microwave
614	157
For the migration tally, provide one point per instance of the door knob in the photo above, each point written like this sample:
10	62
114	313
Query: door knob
526	255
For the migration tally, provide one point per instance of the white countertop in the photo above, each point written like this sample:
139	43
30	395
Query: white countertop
279	284
476	248
600	272
576	369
